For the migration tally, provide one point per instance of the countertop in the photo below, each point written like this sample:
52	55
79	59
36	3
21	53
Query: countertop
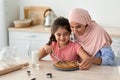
96	72
36	28
113	31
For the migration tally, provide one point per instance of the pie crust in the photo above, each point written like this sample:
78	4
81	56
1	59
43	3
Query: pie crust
66	64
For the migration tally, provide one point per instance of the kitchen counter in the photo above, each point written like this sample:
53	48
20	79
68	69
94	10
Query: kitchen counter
94	73
113	31
36	28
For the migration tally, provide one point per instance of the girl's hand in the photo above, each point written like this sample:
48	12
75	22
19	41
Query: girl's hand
85	63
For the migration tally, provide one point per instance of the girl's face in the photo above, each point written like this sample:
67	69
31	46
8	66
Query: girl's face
77	28
62	36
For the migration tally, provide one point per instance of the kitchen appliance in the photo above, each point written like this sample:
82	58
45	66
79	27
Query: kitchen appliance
49	17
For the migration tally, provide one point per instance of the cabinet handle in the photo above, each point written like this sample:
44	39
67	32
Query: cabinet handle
30	36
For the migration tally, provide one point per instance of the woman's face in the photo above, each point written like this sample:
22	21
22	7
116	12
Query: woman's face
62	36
77	28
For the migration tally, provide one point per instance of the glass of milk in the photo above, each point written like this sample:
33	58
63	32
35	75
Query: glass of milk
35	58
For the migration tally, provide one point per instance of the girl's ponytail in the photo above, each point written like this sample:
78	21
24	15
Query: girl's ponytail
51	39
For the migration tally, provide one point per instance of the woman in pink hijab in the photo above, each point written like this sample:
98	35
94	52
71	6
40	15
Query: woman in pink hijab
92	37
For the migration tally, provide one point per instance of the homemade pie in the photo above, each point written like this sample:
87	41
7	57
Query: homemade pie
66	64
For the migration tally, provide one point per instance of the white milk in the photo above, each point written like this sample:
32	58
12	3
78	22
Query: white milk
35	57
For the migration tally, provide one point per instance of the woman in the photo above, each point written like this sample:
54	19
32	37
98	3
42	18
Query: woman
92	37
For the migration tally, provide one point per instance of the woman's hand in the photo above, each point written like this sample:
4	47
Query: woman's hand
86	60
86	63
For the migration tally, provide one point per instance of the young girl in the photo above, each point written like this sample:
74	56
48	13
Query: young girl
60	47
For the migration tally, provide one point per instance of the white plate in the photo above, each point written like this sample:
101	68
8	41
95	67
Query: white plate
67	69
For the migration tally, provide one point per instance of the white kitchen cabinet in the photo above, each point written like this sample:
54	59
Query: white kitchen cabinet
22	40
116	46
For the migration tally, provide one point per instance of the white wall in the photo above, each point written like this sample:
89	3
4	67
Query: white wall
9	11
105	12
3	29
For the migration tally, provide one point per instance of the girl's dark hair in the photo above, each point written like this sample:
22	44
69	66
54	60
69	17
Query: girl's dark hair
58	22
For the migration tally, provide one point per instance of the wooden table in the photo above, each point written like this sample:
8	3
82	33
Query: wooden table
94	73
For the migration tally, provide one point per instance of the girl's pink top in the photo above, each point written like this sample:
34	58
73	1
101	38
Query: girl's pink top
69	52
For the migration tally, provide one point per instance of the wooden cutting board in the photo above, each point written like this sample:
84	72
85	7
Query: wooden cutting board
36	13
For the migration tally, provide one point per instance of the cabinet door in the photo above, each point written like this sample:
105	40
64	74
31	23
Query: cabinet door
24	40
37	44
21	46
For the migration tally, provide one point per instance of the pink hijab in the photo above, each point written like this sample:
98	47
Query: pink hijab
94	37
